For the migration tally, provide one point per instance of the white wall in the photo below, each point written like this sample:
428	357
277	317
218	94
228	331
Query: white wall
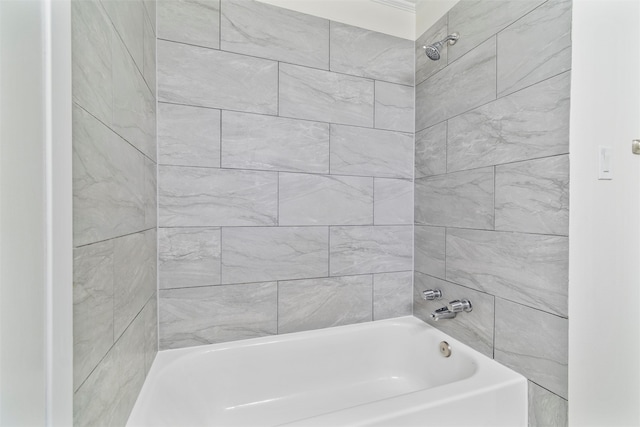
35	214
604	299
429	11
361	13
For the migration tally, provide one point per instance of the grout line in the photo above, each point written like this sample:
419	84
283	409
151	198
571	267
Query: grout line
220	139
116	237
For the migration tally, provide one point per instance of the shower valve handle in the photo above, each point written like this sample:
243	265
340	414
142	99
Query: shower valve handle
458	306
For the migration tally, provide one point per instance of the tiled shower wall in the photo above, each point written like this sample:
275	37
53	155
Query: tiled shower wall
114	206
285	152
492	186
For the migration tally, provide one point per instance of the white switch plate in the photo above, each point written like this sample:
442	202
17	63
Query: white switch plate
605	163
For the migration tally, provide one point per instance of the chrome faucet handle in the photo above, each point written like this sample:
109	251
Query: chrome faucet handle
458	306
431	294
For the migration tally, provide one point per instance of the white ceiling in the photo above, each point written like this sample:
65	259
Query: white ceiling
407	19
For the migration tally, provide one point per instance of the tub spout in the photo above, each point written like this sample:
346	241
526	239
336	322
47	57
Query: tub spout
442	313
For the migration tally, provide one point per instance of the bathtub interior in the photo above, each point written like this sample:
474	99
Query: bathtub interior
278	380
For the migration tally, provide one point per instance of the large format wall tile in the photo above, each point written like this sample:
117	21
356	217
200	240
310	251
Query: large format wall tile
461	199
190	21
429	250
210	78
134	107
425	67
188	136
477	20
392	295
536	47
474	328
255	141
461	86
266	31
371	152
91	59
393	201
150	318
150	194
213	197
546	408
431	151
371	54
533	196
364	249
322	303
533	343
108	181
188	257
108	395
128	20
306	199
207	315
149	60
135	259
307	93
525	268
253	254
92	307
394	107
528	124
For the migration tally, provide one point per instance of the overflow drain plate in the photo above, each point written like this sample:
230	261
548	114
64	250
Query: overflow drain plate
445	349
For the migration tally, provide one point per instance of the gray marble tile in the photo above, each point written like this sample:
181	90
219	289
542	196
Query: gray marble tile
533	196
322	303
475	329
367	53
150	8
150	194
306	199
394	107
535	48
108	182
425	67
134	107
202	197
460	199
134	259
109	393
393	201
367	249
203	77
431	151
477	20
371	152
128	20
546	409
533	343
255	141
149	60
207	315
259	29
307	93
188	257
252	254
92	307
462	86
429	250
91	59
525	268
528	124
188	136
194	22
392	295
150	318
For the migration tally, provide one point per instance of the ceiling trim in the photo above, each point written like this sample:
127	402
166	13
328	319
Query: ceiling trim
407	5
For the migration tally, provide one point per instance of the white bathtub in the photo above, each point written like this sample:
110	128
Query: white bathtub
385	373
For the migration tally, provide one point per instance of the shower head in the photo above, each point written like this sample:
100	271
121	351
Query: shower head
433	50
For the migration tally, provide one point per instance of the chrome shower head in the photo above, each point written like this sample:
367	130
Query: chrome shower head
433	50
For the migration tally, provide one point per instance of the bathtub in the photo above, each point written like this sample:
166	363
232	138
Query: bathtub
384	373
